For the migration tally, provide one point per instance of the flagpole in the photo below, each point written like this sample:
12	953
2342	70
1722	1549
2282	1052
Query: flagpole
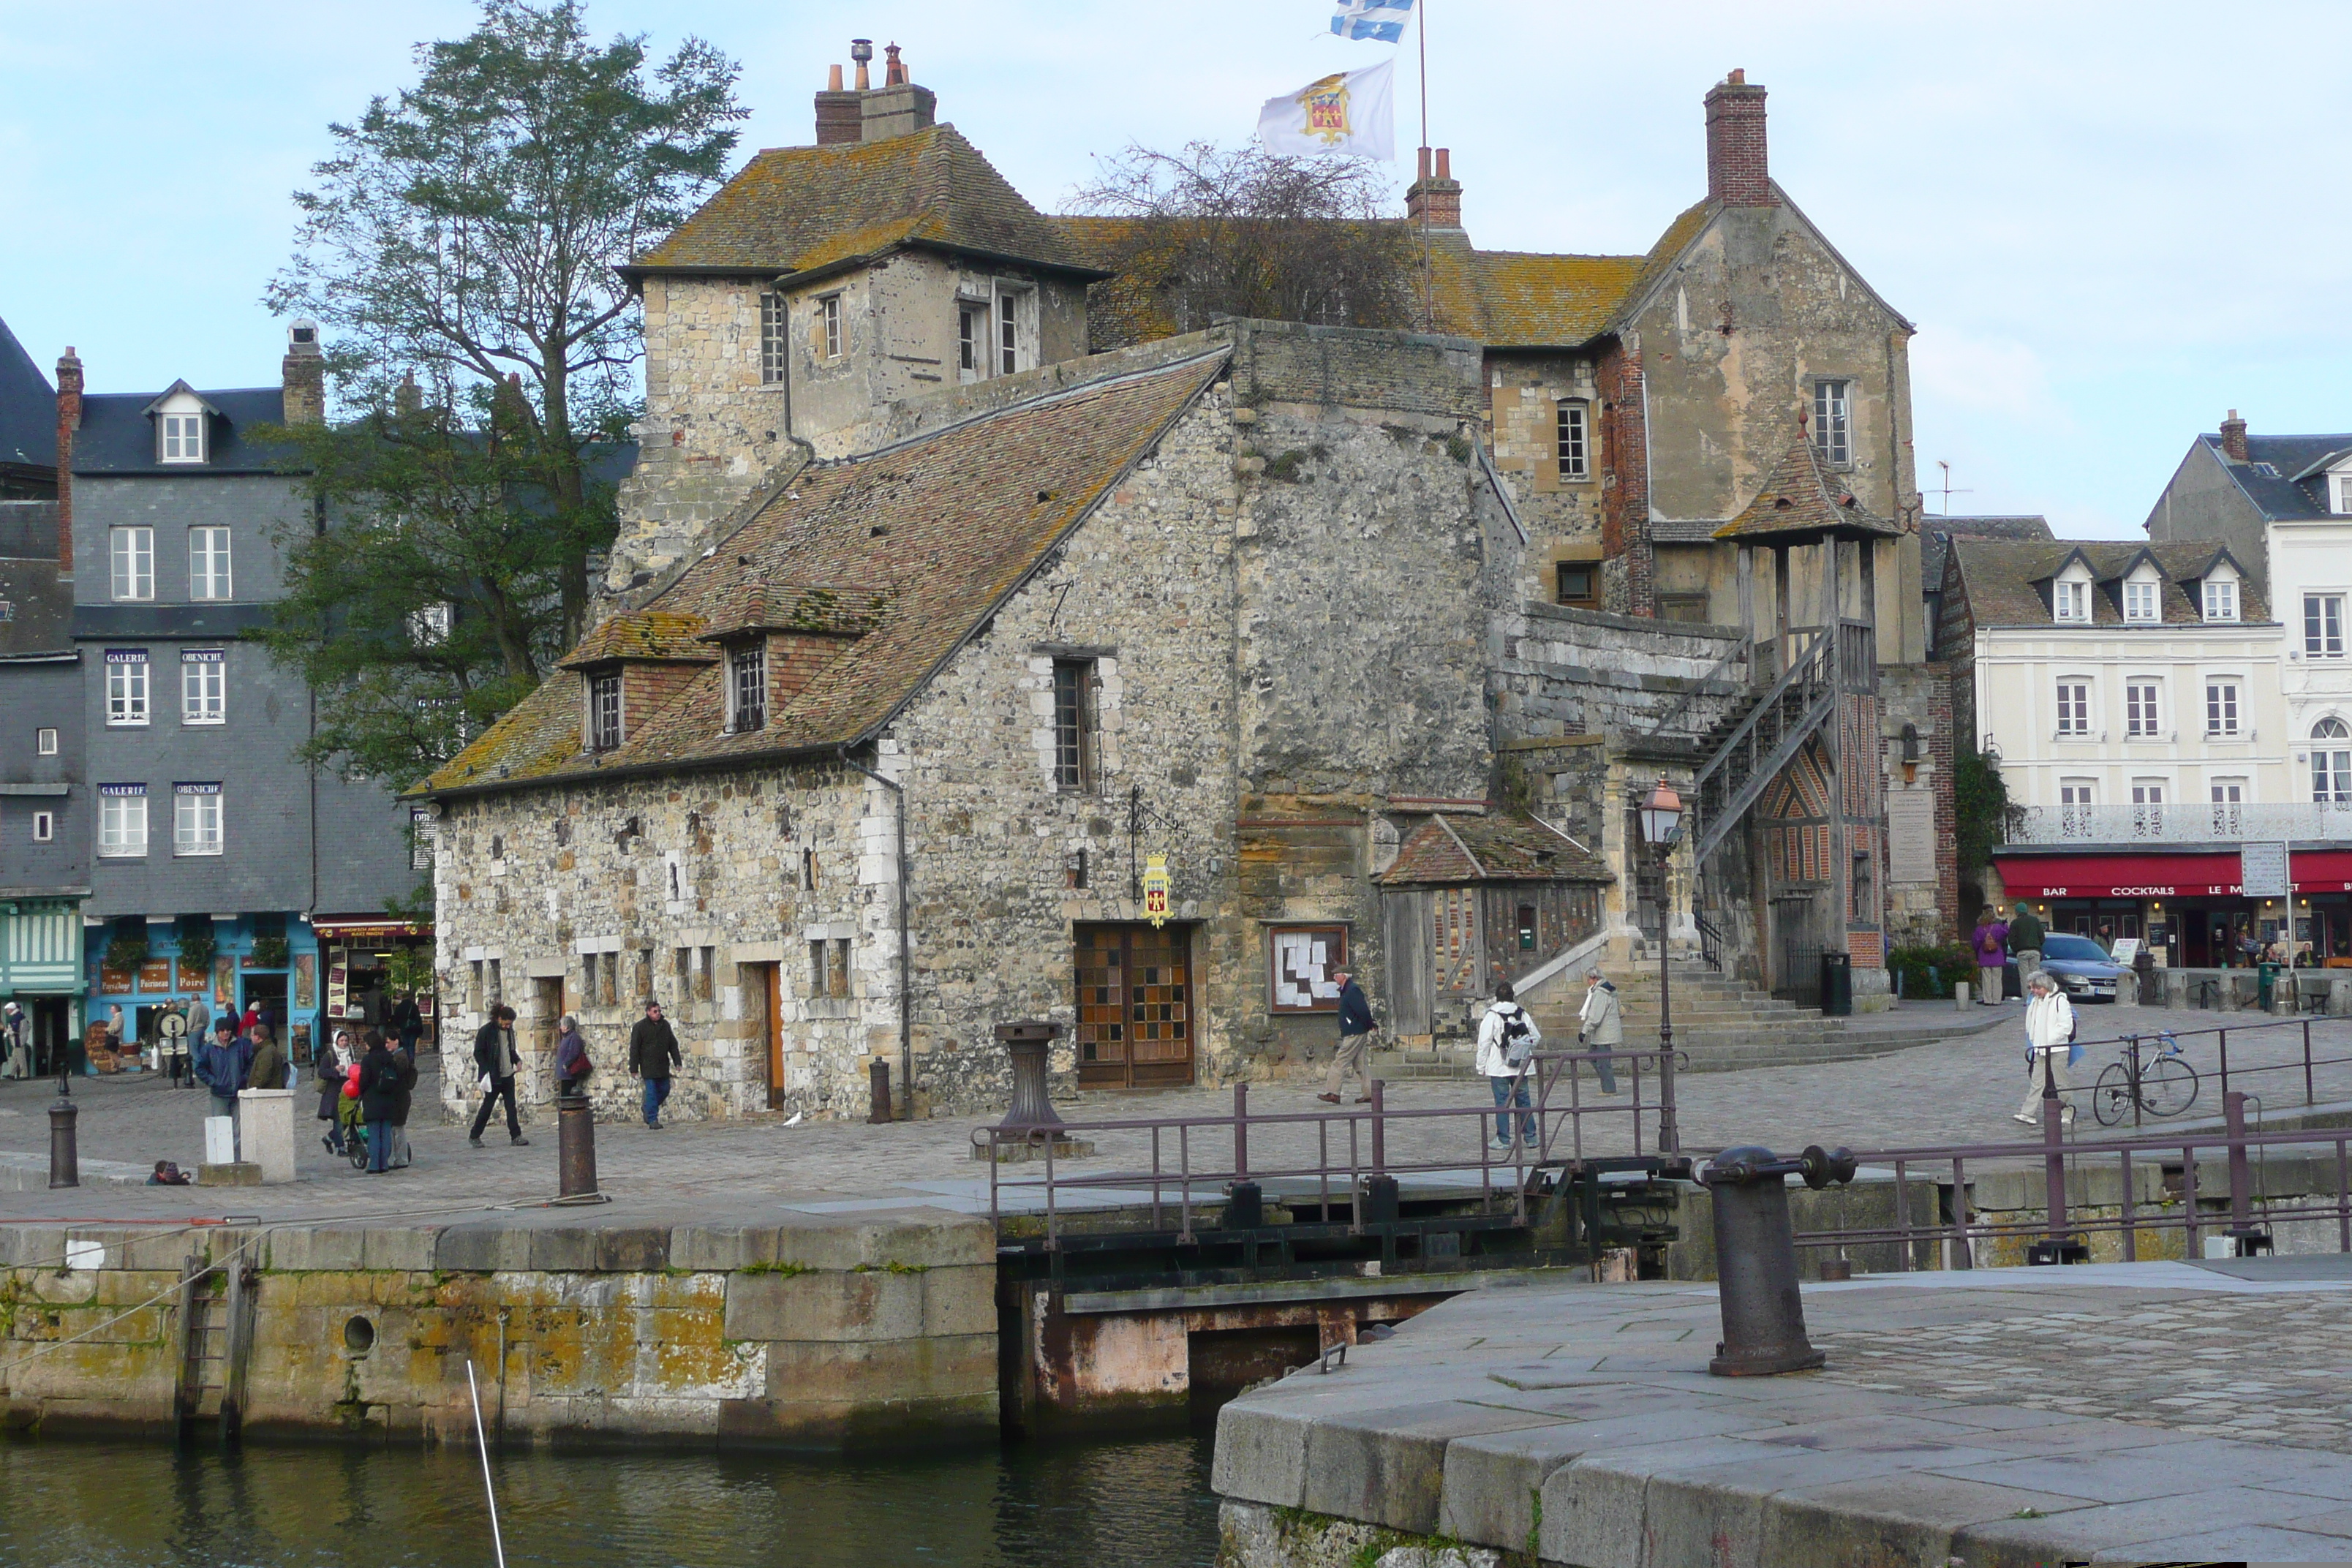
1428	278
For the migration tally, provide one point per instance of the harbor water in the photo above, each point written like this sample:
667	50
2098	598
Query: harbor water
1141	1504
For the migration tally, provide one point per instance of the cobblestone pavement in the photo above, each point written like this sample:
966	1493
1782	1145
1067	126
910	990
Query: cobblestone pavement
2265	1368
1956	1090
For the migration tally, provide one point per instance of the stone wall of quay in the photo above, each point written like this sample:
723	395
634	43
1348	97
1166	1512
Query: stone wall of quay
849	1331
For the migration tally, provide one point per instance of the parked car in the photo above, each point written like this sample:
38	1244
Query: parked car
2080	965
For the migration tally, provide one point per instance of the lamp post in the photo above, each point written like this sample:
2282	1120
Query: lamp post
1661	823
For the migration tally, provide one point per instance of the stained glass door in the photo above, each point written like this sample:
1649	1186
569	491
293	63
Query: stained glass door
1134	997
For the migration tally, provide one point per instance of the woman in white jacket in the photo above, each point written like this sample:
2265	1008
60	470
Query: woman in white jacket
1505	1032
2049	1033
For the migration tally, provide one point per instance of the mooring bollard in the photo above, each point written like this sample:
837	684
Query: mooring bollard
65	1154
877	1092
1755	1258
1027	1042
575	1134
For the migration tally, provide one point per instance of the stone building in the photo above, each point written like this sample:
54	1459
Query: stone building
920	664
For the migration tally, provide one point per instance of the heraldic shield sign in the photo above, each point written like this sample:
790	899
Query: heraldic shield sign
1155	889
1349	111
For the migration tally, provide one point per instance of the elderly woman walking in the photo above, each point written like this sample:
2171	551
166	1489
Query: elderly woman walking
2048	1045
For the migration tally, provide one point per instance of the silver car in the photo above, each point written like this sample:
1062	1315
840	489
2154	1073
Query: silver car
2078	963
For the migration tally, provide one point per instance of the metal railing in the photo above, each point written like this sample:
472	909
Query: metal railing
1764	742
1717	675
2064	1160
1196	1160
2221	824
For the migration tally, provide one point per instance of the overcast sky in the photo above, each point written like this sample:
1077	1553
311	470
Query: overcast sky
2108	222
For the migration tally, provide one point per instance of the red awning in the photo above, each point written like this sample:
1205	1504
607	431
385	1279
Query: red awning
2321	870
2123	876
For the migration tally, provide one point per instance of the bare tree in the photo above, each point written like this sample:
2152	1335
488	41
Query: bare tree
1240	232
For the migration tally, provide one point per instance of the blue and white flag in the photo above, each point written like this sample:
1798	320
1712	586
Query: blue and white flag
1381	20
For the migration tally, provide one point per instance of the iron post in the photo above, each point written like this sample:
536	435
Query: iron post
1756	1257
64	1155
575	1137
1027	1042
1670	1138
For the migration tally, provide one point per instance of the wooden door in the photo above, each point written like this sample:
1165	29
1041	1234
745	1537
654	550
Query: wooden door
772	1023
1134	1003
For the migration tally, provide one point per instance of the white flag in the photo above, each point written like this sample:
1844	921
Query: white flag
1347	112
1381	20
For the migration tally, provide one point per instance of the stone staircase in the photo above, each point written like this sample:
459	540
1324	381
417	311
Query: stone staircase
1721	1026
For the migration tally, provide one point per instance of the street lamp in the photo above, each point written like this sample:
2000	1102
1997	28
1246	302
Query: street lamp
1661	825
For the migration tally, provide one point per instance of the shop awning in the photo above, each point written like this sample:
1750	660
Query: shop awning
2122	876
2320	870
331	929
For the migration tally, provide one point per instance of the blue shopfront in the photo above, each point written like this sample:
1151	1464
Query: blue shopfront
269	961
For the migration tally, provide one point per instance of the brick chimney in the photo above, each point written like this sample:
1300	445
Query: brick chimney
68	422
303	374
899	108
1437	197
2233	430
1738	173
837	115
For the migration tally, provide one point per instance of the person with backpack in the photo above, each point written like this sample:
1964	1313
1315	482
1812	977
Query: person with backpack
1600	1025
2050	1048
1507	1041
571	1064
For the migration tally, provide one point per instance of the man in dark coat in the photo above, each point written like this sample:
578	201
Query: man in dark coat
495	1059
653	1051
224	1067
378	1093
408	1023
1356	1028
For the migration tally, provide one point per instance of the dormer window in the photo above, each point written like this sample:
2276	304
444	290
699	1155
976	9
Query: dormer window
2070	600
2343	484
605	711
2221	598
180	435
746	689
2139	600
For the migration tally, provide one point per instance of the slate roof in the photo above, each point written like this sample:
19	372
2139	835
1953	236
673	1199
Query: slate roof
1455	851
28	407
2008	583
118	436
40	608
1937	532
806	210
916	544
2284	475
1801	500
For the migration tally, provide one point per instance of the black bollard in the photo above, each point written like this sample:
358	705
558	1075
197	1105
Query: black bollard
1755	1258
575	1132
877	1092
1244	1206
65	1154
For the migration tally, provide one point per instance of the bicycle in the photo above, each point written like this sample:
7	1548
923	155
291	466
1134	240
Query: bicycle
2164	1086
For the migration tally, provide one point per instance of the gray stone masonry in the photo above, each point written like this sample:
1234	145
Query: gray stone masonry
1577	1423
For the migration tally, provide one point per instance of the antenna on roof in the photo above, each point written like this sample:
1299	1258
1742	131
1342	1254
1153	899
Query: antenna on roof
1947	492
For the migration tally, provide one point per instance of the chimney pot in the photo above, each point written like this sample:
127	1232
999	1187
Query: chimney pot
895	73
2234	438
833	78
862	51
1738	173
1420	165
1435	199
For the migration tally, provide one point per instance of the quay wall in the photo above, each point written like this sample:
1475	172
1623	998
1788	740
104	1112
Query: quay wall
818	1332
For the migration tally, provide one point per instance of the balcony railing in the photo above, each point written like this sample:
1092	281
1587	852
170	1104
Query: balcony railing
2184	822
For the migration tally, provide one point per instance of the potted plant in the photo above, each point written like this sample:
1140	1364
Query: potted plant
197	946
126	953
268	952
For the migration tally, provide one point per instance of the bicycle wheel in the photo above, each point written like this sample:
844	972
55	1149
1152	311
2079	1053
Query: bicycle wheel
2112	1099
2168	1086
